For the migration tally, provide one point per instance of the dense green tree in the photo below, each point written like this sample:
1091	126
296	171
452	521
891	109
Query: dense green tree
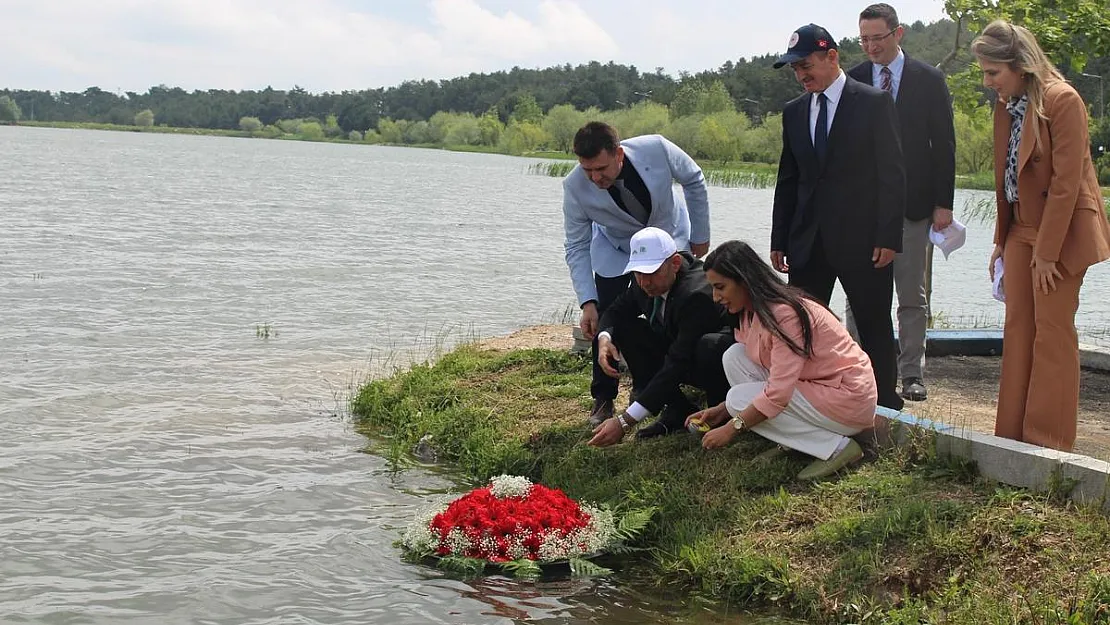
974	139
144	118
561	124
521	137
250	124
526	110
490	128
311	131
9	110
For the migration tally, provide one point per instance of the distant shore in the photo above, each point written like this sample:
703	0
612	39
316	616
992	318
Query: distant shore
730	174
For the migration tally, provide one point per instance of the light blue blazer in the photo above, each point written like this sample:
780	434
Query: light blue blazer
597	230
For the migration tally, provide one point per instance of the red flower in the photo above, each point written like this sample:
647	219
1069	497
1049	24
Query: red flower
494	527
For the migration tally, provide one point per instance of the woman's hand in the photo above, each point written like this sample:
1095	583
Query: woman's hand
712	416
1045	274
995	255
719	436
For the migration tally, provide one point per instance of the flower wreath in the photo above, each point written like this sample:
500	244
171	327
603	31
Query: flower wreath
519	526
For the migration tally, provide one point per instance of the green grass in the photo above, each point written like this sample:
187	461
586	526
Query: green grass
904	538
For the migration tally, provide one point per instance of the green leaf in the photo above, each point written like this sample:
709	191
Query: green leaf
469	567
633	522
523	568
580	567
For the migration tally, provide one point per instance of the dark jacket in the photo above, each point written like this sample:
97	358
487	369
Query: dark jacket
690	313
928	137
857	197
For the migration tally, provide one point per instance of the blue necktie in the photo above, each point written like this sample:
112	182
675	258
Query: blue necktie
821	132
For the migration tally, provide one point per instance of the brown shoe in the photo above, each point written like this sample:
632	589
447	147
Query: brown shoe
602	410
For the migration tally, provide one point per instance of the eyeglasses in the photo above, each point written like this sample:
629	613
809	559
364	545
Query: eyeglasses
864	40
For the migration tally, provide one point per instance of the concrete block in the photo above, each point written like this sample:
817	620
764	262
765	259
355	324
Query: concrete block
1010	462
1094	358
1091	478
987	342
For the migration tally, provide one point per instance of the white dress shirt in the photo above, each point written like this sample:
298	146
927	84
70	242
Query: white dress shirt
833	93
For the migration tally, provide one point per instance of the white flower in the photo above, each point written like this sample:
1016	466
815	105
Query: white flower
417	535
505	486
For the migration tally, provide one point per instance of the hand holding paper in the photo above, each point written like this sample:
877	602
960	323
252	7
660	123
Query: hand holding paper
950	238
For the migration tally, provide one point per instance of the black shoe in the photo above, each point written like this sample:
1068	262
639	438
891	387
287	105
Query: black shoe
657	428
894	402
603	409
913	389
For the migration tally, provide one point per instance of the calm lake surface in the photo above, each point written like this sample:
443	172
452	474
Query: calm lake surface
181	321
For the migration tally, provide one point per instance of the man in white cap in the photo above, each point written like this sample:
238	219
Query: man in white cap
670	332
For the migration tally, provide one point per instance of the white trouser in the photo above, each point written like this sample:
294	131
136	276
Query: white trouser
800	427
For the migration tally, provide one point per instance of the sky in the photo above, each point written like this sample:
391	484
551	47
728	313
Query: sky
338	45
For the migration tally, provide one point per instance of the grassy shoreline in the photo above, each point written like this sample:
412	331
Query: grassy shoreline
731	174
905	538
757	175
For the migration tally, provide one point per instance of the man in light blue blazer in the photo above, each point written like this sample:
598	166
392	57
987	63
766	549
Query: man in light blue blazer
617	189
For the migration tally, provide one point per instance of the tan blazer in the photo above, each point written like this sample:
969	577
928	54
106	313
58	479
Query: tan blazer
1058	188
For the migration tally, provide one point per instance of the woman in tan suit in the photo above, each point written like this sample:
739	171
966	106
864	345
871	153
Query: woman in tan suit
1051	227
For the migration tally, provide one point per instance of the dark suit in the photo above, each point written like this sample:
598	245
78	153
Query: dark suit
829	216
687	349
929	149
928	140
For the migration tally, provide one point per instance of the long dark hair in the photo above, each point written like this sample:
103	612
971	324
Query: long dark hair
737	261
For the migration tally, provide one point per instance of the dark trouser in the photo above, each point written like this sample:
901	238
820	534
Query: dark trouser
644	350
608	290
870	293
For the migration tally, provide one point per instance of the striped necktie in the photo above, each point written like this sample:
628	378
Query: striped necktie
886	80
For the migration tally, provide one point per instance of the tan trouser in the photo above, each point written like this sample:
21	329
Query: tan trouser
1038	394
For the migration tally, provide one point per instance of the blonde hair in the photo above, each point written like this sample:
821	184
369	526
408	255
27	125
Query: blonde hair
1003	42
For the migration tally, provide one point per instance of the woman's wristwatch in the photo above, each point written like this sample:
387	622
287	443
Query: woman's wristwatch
739	424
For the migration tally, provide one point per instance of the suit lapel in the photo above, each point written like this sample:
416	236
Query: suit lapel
1028	138
905	86
845	108
802	121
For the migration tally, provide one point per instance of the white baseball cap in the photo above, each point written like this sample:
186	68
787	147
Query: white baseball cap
649	248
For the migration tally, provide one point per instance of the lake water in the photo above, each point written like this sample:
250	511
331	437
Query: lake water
181	321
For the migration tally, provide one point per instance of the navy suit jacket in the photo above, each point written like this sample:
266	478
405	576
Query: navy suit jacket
856	198
928	138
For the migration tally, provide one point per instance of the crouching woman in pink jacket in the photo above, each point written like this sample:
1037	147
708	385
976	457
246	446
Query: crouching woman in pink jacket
797	377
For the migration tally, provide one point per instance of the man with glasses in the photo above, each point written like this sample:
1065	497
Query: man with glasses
929	148
840	195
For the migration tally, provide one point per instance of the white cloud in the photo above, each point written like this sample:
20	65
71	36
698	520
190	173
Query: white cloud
352	44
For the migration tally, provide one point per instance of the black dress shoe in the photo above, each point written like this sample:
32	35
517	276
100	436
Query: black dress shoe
913	389
893	402
603	409
656	428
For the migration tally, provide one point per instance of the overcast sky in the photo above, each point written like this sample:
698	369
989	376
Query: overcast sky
336	45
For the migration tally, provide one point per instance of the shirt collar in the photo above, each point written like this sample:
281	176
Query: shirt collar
896	66
835	90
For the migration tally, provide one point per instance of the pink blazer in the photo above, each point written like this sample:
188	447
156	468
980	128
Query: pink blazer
837	379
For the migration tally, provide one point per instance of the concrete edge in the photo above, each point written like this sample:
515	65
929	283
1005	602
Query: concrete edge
1083	479
988	342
